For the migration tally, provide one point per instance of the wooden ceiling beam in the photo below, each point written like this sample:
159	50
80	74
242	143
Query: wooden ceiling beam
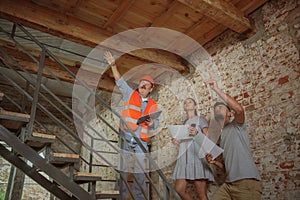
69	7
70	28
118	13
222	12
165	15
203	26
73	6
49	21
160	20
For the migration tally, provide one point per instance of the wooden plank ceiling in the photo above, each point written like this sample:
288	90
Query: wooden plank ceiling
89	22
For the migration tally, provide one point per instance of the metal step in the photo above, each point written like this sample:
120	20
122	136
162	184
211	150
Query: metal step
91	178
39	140
106	194
42	164
84	177
13	120
59	159
32	173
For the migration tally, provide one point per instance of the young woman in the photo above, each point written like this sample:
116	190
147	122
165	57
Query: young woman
189	166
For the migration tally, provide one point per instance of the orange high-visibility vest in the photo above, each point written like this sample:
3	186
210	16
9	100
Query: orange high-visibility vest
133	111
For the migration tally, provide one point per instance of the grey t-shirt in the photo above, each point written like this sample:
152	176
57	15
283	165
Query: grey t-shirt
237	155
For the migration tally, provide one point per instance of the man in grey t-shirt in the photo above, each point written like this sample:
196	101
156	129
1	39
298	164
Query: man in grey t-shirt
242	176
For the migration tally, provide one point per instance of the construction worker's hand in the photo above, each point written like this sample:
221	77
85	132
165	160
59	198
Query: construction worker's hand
149	122
109	58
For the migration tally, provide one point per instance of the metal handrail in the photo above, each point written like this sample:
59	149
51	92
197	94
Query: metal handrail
45	50
58	121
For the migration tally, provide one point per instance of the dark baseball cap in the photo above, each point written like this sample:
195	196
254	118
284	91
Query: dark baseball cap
221	103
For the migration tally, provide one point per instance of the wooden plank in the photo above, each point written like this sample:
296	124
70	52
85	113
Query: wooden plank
210	34
62	6
211	30
199	29
90	12
42	135
21	116
86	174
107	192
73	29
65	155
249	6
61	159
207	36
84	177
166	15
121	10
161	19
49	21
222	12
13	120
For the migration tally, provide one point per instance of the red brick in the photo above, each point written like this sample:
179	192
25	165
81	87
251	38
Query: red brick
246	95
283	80
287	164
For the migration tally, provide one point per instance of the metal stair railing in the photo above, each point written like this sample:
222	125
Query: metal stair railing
45	110
48	112
39	163
100	100
50	171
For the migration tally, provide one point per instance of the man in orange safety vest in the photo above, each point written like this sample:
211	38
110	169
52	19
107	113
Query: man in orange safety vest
137	104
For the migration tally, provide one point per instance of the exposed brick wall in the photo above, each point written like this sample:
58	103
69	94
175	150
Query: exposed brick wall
263	75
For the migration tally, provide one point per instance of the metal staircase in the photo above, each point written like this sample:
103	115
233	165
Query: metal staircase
24	145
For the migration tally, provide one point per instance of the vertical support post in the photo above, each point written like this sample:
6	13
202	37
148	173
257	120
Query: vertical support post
13	31
10	183
24	99
36	92
14	190
149	168
47	157
16	181
90	186
91	156
120	164
166	191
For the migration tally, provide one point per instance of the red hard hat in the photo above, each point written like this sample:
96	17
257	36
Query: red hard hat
147	78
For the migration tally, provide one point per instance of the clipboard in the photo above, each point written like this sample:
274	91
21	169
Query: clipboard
180	132
153	115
